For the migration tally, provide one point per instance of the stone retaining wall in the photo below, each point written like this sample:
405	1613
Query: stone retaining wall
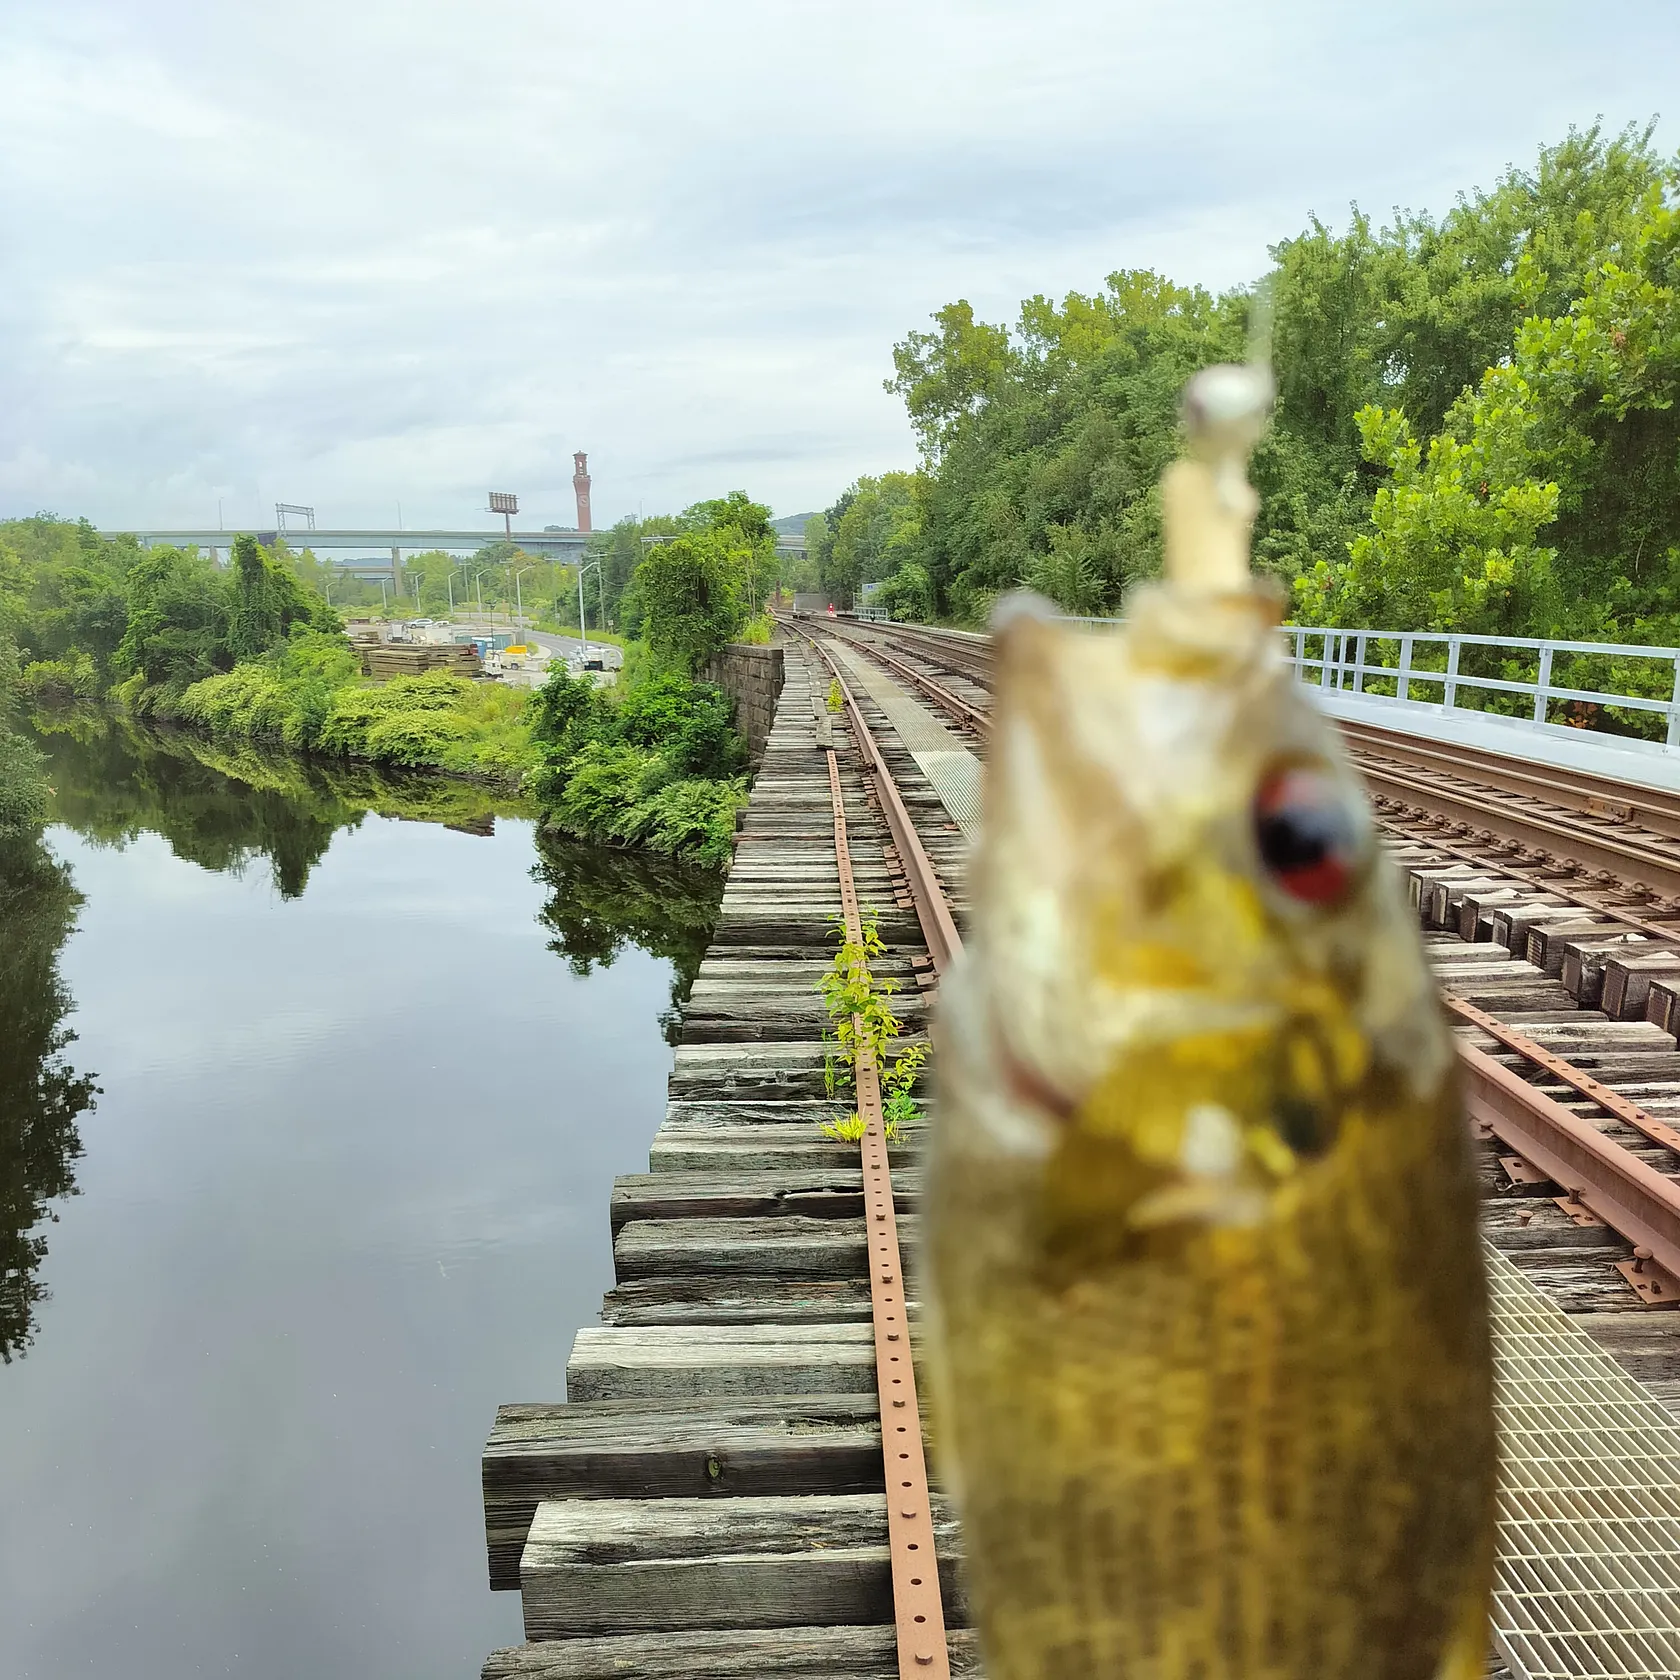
752	678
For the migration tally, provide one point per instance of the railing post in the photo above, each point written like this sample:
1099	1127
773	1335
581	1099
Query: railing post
1324	664
1451	691
1403	678
1362	646
1542	682
1674	710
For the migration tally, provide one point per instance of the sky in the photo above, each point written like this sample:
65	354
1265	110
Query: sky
383	258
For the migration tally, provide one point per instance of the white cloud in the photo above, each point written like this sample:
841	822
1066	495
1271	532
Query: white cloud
353	255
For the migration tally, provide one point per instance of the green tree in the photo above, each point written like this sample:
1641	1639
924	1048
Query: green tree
1042	444
178	618
1453	539
23	789
268	601
691	596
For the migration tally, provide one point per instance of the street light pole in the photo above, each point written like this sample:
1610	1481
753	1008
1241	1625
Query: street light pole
519	594
583	628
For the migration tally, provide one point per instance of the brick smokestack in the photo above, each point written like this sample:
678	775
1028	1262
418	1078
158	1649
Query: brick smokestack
580	483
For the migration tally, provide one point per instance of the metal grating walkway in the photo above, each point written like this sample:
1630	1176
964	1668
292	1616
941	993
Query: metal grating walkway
941	756
1588	1578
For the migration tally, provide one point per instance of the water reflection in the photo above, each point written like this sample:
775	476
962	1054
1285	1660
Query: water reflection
603	900
225	805
345	1190
41	1095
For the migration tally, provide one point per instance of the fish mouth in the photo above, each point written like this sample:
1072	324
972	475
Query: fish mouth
1031	1088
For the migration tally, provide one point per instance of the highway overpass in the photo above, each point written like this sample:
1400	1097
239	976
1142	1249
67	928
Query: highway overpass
565	545
550	545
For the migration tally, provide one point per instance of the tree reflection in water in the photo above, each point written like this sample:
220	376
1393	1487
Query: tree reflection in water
602	900
227	808
41	1096
226	805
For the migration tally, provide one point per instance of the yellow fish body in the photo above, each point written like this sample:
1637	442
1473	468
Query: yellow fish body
1208	1324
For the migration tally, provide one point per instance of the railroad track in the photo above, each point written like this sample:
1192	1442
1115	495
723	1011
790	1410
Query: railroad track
711	1500
1610	955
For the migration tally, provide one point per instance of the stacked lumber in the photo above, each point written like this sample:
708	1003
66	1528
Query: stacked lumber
384	660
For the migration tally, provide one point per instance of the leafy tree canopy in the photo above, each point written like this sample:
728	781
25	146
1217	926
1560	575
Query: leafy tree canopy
1476	422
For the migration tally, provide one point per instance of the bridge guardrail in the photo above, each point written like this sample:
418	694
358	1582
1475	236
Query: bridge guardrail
1343	664
1430	672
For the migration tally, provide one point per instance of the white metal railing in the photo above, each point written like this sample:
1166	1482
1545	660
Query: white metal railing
1344	664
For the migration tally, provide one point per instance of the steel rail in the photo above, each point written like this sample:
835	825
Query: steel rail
1654	865
970	716
970	657
933	910
918	1609
1611	1101
1592	795
1668	932
1611	1182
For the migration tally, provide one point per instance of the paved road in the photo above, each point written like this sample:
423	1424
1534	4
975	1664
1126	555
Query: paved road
561	646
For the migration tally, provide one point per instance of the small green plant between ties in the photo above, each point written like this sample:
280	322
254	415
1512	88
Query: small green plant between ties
861	1017
836	700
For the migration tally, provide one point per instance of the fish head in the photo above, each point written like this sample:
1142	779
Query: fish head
1190	969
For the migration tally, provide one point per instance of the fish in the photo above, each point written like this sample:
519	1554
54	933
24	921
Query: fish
1207	1331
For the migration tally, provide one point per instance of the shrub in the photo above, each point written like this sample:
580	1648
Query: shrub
654	766
58	682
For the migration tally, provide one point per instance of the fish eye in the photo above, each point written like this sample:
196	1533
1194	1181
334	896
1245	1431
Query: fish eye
1308	833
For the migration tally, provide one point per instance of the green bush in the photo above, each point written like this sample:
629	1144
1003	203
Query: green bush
656	765
58	682
689	721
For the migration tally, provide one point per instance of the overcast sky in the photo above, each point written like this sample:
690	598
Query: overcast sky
358	254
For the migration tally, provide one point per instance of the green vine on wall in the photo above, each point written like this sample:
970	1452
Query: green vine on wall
860	1017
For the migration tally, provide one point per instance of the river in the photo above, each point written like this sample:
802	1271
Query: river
364	1080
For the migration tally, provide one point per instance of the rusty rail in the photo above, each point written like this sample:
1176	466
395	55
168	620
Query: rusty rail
1641	858
1610	1182
933	910
918	1609
1553	887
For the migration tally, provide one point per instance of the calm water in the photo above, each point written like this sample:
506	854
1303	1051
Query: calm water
365	1082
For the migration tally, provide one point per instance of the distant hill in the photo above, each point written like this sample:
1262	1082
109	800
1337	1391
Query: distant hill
791	524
